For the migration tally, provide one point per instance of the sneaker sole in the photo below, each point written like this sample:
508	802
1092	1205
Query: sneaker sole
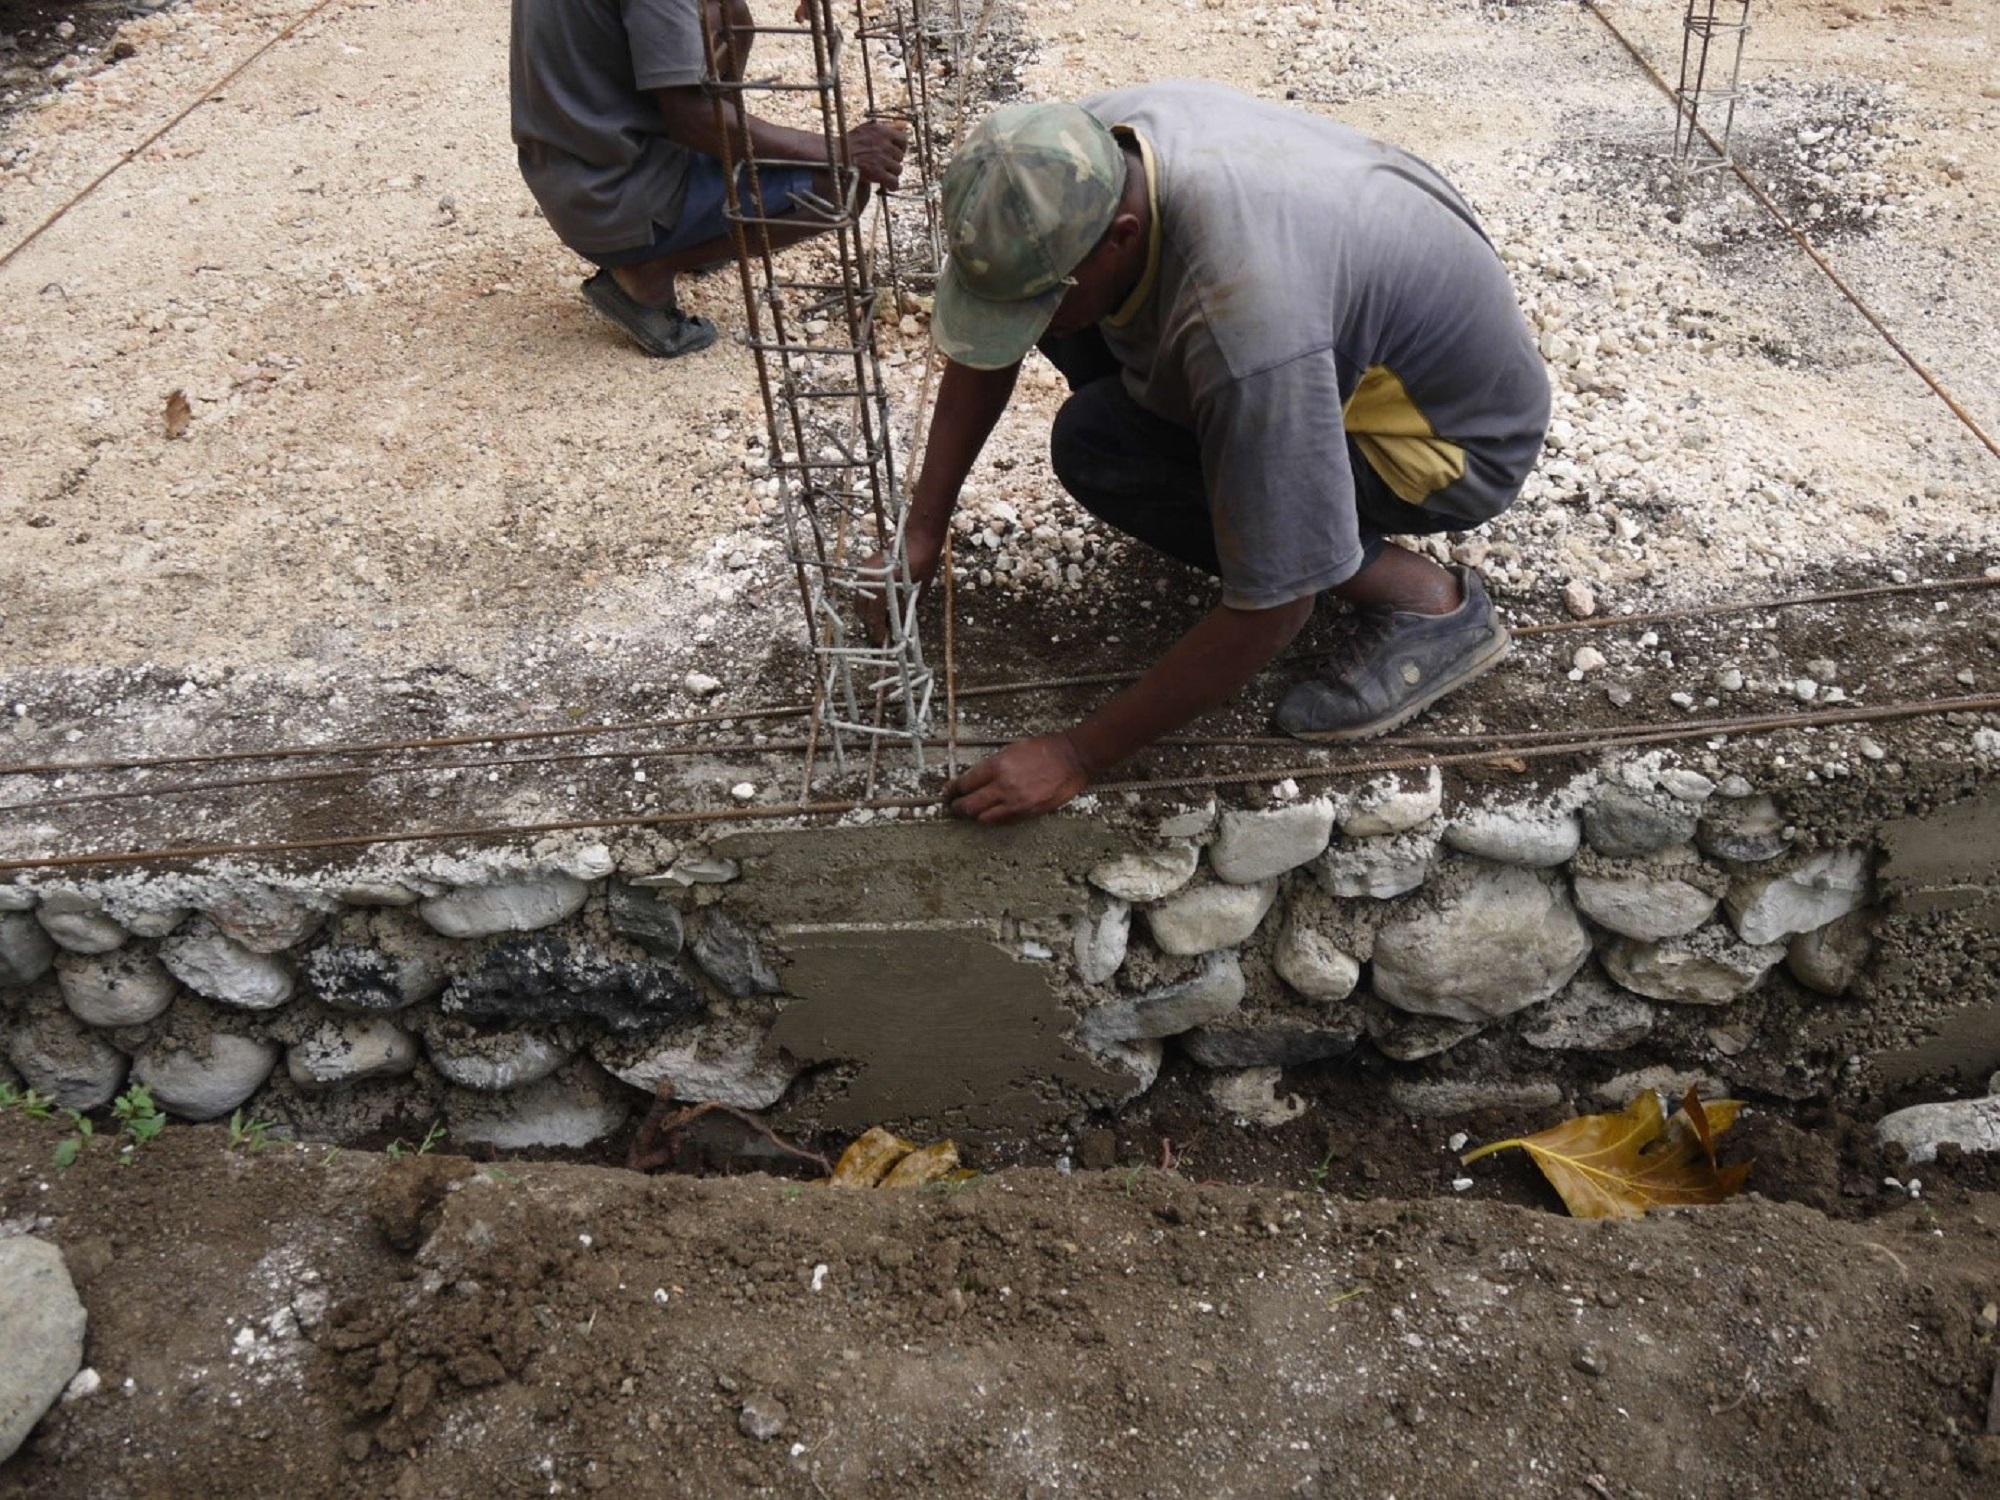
600	303
1478	667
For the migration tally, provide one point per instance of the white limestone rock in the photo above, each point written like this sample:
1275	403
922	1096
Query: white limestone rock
1709	967
1665	894
1387	806
1969	1124
78	923
350	1049
207	1082
1829	959
1441	1098
1214	991
66	1063
1140	1059
1537	837
262	918
1251	1095
568	1109
224	971
1150	875
1748	829
26	949
1507	939
1376	868
1188	822
698	867
1313	965
1256	846
1402	1037
1102	937
1669	1082
489	910
41	1335
1210	917
729	1065
493	1062
121	988
16	898
1820	889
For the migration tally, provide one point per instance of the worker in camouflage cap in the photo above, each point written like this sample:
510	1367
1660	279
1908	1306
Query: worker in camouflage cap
1285	343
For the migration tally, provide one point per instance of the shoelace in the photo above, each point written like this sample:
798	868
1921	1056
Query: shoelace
1358	645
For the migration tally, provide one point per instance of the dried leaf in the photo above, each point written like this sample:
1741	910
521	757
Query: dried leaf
870	1158
1618	1166
926	1164
179	413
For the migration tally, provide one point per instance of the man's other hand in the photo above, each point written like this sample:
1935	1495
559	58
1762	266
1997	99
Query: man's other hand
1028	778
876	149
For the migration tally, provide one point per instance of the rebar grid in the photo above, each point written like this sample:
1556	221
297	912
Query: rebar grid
1698	146
832	449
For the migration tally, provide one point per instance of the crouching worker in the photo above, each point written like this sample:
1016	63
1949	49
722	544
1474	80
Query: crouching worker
1284	342
619	144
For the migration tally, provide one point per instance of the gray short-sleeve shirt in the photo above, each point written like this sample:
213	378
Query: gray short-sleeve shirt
592	143
1302	266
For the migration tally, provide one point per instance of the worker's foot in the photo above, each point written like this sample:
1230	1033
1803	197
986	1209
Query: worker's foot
1395	664
662	331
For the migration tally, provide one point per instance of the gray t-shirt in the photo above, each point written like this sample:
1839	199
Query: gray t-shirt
592	144
1302	264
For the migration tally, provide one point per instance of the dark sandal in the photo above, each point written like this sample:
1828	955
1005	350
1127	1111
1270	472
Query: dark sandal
665	332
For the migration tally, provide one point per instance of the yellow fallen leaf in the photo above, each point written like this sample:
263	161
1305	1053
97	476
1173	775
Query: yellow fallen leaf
926	1164
179	413
870	1158
1618	1166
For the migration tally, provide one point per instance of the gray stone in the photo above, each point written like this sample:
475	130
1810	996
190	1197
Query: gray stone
350	977
1212	992
262	918
1310	963
1590	1015
1829	959
1256	846
1623	823
1508	939
1771	908
349	1050
1188	823
1151	875
1376	868
1400	1036
702	869
1688	786
762	1417
533	980
723	1064
1251	1096
1210	917
1709	967
1102	937
1273	1040
1537	837
638	913
16	898
1441	1098
26	949
208	1082
1669	1082
224	971
1386	806
1140	1059
154	921
78	923
493	1062
1969	1124
1665	894
68	1065
121	988
377	893
568	1109
1748	830
489	910
731	957
41	1335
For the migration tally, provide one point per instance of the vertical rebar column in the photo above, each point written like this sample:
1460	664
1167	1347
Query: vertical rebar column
1698	146
811	327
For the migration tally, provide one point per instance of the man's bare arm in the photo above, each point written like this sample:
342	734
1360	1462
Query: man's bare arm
689	115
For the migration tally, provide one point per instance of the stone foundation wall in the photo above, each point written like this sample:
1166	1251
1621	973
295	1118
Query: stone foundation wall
1638	923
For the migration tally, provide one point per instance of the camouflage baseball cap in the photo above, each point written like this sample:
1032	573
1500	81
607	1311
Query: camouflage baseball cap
1025	199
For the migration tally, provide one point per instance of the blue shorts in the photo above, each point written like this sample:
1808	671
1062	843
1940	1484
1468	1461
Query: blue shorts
703	201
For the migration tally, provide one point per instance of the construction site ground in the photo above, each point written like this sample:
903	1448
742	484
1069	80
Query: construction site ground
422	492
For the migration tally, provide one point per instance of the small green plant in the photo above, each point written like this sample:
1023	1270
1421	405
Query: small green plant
1131	1177
27	1101
399	1147
70	1147
1319	1173
139	1118
247	1132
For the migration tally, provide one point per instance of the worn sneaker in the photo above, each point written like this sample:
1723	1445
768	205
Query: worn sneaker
1394	665
664	332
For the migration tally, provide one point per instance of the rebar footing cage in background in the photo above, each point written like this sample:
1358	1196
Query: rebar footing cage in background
1704	100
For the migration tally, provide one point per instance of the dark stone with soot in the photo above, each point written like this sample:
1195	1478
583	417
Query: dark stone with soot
538	979
730	956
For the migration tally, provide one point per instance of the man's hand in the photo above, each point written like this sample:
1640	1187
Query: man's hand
876	149
1027	779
